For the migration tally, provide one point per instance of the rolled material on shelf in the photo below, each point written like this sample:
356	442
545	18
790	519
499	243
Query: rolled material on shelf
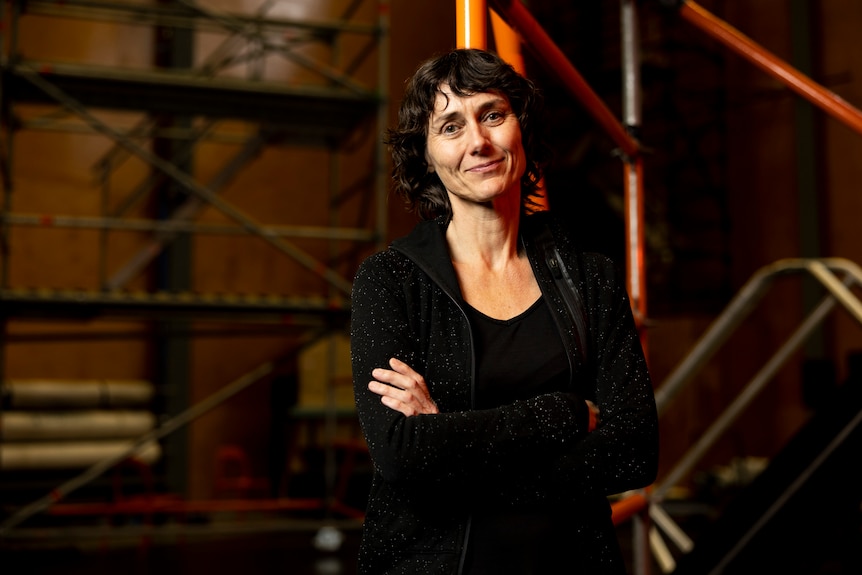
70	454
41	393
86	424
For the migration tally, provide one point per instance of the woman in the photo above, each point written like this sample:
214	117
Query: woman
484	349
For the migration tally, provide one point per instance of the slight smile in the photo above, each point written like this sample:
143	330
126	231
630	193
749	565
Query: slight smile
488	166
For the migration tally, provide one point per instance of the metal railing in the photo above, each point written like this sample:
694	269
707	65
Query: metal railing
837	276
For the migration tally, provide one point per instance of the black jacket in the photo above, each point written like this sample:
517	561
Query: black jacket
431	471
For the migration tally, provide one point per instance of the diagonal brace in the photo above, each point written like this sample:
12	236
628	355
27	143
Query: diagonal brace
303	258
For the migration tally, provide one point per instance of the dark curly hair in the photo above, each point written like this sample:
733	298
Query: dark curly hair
466	72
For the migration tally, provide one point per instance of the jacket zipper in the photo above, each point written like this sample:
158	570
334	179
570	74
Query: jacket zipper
431	275
559	275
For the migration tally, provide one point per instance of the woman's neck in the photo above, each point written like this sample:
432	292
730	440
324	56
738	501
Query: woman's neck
493	276
485	237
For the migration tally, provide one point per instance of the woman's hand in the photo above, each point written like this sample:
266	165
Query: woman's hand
406	390
595	416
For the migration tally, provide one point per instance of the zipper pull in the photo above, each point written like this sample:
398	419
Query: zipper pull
555	267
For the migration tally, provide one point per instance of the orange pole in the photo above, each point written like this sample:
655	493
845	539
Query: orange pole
471	18
508	45
768	62
624	509
635	258
633	168
554	60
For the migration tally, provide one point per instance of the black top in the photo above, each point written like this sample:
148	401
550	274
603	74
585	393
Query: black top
518	358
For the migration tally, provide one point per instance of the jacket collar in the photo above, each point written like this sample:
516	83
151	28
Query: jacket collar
426	246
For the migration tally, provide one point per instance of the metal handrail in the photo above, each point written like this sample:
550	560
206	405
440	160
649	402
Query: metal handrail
746	300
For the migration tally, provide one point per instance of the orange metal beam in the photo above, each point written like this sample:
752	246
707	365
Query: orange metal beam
471	22
624	509
634	225
552	57
771	64
507	43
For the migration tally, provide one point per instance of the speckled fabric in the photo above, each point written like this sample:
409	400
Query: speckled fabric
431	472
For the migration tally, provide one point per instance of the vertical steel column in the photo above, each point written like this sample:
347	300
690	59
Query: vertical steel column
380	159
7	55
633	170
633	201
8	49
173	49
104	176
635	259
471	19
630	66
330	418
807	168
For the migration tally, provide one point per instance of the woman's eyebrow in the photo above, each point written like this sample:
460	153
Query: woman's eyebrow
494	102
456	114
445	118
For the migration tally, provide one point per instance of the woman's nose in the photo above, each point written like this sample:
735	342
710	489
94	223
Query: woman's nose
479	138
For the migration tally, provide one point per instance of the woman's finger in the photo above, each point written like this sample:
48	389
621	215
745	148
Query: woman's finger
402	389
401	376
402	368
397	399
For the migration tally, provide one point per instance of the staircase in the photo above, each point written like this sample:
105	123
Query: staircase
802	513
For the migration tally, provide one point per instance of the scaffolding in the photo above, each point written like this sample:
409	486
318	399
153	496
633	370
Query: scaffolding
251	80
322	109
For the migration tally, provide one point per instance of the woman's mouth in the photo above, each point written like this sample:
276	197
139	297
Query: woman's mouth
485	167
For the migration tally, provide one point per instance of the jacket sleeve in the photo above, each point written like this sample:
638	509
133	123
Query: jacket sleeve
622	453
462	446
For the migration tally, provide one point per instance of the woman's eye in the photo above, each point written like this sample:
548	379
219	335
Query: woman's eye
495	117
450	129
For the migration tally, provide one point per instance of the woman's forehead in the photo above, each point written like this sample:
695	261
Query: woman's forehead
446	97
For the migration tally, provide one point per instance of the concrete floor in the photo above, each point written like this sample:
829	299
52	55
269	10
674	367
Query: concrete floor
286	546
287	552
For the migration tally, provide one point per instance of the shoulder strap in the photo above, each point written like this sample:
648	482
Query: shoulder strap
566	288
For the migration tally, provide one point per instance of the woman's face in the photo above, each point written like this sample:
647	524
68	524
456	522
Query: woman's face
474	145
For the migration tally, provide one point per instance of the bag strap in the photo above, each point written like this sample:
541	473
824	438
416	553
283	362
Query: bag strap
566	288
